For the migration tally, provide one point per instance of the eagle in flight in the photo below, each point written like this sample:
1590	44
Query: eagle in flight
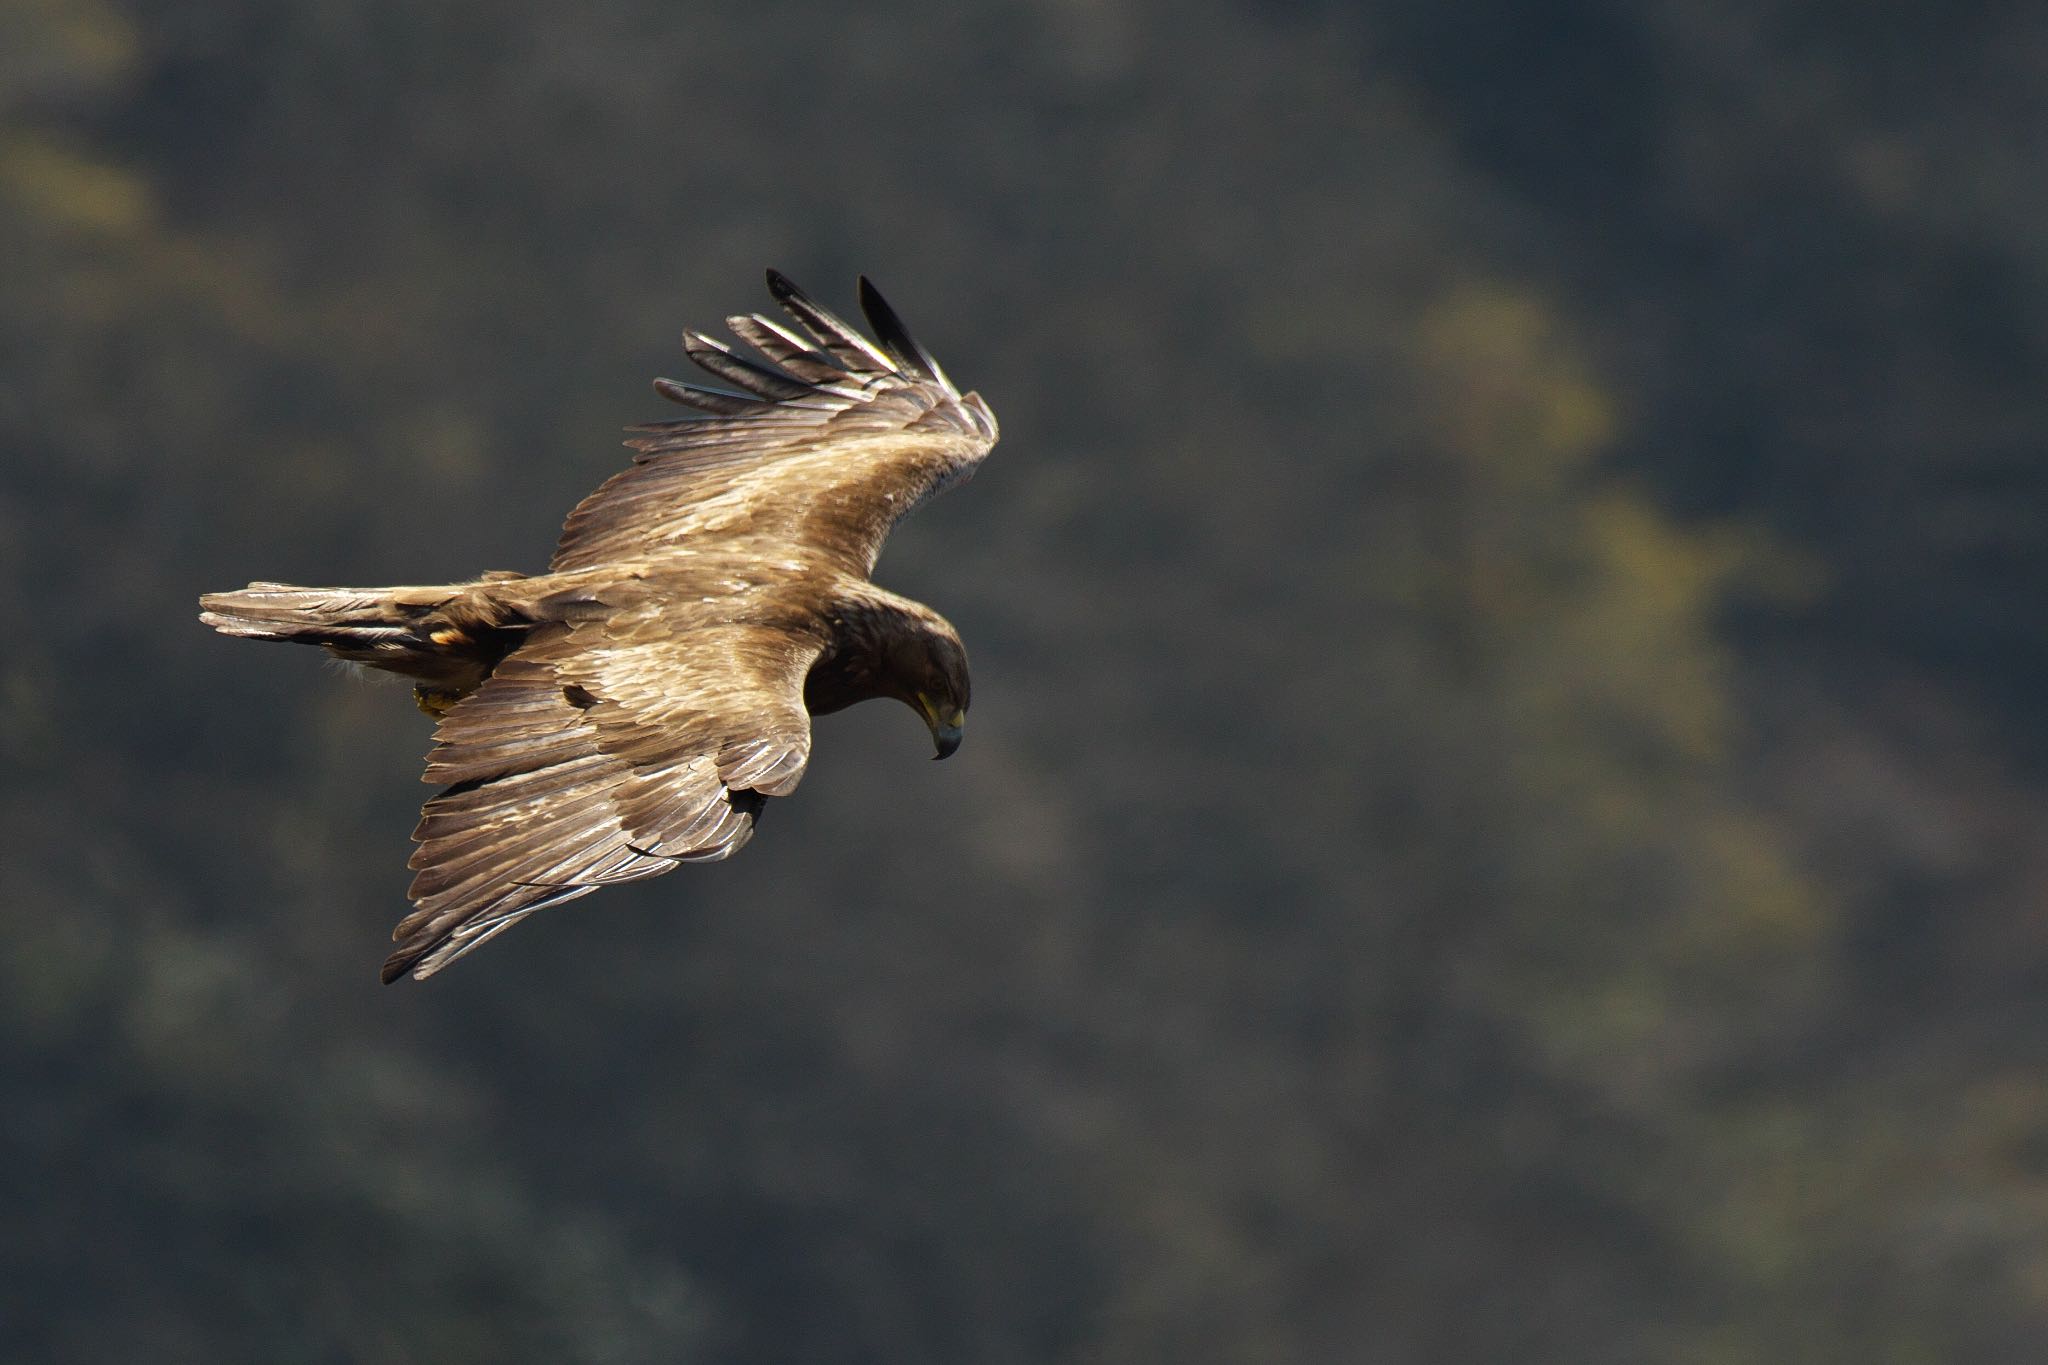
635	706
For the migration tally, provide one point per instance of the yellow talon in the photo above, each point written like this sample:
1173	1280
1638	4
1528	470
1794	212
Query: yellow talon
434	701
449	635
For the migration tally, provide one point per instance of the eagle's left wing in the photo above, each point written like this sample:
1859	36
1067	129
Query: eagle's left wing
608	751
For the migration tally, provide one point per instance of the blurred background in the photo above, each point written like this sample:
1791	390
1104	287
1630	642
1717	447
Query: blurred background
1506	812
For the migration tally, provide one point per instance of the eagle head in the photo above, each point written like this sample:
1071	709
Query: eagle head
932	666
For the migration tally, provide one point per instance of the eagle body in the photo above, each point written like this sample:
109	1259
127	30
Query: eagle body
634	707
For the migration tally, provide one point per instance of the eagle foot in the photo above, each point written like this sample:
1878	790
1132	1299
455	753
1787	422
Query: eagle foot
435	701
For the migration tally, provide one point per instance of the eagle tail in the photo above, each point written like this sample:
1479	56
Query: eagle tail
446	636
314	616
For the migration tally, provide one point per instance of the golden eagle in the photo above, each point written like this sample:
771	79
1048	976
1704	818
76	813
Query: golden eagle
635	706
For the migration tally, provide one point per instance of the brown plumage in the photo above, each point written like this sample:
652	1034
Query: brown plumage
635	706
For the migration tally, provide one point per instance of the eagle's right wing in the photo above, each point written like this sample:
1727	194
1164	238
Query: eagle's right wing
825	449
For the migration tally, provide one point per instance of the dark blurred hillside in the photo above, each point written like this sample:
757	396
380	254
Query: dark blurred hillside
1504	813
1811	234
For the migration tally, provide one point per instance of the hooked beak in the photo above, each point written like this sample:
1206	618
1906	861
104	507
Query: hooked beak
945	729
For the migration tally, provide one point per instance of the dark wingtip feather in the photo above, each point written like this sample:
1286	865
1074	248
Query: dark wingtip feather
895	337
845	345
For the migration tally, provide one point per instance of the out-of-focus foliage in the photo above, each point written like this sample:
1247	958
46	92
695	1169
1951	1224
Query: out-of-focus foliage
1502	821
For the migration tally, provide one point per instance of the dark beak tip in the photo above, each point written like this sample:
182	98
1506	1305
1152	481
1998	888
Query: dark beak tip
947	742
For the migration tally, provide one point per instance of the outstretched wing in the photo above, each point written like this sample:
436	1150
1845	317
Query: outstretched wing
825	447
603	752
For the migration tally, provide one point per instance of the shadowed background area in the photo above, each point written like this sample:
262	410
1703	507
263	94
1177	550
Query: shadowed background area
1506	810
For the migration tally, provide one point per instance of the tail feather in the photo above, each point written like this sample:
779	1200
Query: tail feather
446	637
280	611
